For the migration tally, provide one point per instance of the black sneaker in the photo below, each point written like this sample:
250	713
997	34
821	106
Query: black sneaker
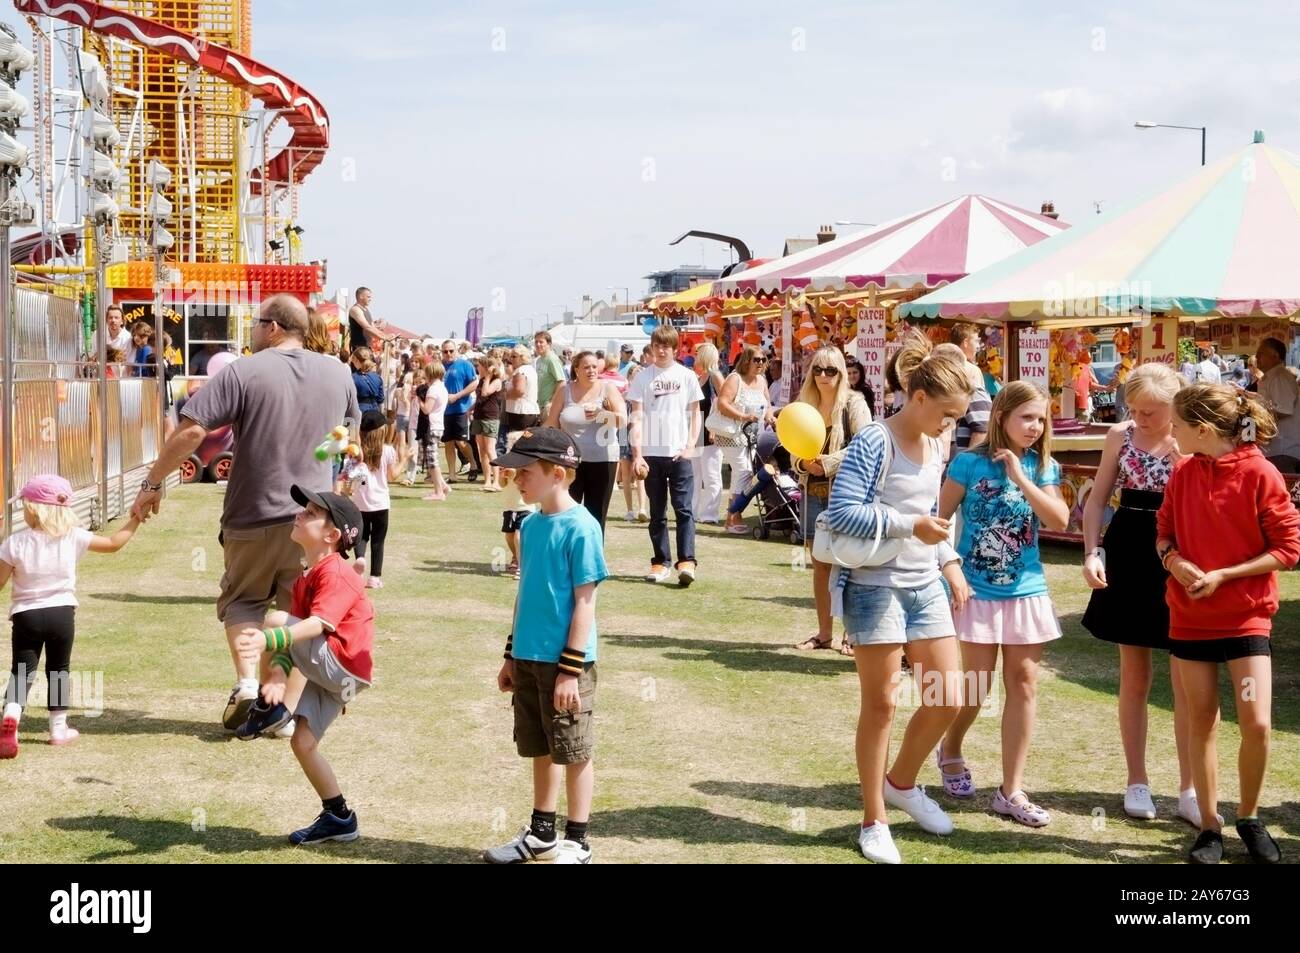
1208	848
327	827
1259	843
472	476
263	720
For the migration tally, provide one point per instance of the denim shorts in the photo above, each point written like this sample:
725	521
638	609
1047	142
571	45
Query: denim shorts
883	615
810	508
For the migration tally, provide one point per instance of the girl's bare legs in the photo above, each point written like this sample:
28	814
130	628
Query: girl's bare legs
1200	682
1252	685
978	662
878	667
1020	678
1134	690
934	659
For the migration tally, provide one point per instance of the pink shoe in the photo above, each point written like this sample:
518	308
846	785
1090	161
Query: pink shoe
374	583
65	737
957	785
1018	807
9	738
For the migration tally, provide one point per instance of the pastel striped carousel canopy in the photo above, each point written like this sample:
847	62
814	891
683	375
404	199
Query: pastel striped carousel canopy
1224	242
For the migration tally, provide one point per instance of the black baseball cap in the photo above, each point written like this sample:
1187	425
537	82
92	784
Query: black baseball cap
343	513
547	444
373	420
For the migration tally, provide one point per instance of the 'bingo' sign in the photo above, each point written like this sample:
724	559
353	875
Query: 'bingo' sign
871	350
1035	347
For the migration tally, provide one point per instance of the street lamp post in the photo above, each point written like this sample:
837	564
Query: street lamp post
1148	124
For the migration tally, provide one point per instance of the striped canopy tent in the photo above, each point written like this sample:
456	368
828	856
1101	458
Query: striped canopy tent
900	259
1223	243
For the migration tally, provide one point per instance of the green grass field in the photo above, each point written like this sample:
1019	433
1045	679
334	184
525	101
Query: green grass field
717	741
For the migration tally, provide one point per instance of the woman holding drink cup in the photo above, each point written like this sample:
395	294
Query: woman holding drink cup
590	410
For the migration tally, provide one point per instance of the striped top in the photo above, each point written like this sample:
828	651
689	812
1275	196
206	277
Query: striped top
863	496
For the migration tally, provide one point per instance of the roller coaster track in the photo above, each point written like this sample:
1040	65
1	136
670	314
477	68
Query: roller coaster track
306	117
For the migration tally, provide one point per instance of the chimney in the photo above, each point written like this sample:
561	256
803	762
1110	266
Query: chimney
825	234
1049	210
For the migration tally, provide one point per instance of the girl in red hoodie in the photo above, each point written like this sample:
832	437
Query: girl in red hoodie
1224	530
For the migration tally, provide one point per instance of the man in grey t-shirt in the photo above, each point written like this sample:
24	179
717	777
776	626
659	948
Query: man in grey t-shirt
281	403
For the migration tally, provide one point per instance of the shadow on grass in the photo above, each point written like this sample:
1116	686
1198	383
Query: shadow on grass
155	600
145	836
1176	836
793	602
698	825
120	721
740	656
460	567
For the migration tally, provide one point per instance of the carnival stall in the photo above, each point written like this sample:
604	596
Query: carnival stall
843	292
1215	254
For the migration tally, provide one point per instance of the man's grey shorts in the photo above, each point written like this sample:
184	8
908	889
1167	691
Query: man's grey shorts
329	685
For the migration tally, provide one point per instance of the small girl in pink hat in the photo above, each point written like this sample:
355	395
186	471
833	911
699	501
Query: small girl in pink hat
42	560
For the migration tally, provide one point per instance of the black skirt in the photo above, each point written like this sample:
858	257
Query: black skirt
1131	610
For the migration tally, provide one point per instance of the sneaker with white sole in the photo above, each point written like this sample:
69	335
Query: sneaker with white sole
525	848
571	852
287	729
629	516
241	699
919	807
658	573
685	575
877	844
1138	803
1189	810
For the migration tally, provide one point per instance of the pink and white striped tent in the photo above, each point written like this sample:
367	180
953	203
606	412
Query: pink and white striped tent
922	250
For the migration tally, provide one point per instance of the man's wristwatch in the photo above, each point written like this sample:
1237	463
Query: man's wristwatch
147	487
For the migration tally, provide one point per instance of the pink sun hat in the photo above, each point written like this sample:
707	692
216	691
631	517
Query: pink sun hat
47	488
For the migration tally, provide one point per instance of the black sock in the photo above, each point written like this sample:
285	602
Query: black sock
576	832
543	824
336	806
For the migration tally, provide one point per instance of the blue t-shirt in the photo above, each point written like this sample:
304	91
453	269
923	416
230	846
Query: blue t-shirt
557	554
999	531
457	376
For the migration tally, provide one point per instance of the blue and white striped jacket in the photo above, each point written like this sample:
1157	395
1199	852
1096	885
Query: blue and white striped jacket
854	508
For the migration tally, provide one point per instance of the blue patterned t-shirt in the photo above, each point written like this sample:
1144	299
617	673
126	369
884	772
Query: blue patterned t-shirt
999	531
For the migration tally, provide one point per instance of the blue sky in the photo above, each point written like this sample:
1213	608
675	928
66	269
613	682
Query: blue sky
520	155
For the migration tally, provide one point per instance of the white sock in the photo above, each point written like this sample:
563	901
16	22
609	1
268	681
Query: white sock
1188	795
248	683
13	710
58	721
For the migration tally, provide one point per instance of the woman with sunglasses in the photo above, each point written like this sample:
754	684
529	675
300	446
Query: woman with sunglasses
845	411
743	397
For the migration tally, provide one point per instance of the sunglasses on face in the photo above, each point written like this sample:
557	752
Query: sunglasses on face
760	360
826	371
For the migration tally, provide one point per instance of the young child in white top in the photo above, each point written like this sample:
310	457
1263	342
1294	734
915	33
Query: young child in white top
42	561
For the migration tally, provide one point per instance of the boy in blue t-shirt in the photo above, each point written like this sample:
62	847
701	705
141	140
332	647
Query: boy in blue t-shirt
550	657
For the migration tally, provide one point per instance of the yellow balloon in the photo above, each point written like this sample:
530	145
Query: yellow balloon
801	430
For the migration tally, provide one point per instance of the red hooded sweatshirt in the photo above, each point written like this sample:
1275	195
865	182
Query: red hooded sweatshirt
1220	513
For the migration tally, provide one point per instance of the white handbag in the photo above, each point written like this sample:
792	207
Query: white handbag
857	552
720	424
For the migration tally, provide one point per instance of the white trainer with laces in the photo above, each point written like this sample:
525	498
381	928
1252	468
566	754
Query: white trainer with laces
877	844
524	849
571	852
919	807
1138	802
1189	809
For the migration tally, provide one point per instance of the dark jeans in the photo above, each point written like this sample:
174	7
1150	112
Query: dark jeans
374	530
673	478
51	629
593	486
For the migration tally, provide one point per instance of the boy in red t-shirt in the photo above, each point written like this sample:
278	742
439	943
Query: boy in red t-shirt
328	636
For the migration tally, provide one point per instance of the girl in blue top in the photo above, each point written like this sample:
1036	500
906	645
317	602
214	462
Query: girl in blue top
1005	488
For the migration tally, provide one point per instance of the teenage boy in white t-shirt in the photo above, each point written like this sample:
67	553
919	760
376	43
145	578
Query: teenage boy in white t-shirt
664	429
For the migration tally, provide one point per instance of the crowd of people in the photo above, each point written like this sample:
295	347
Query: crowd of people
923	510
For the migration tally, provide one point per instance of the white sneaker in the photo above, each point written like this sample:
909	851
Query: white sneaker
571	852
660	574
286	730
877	845
920	808
1189	809
1138	803
524	849
629	516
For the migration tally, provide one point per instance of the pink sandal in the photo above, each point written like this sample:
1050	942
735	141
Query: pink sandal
1024	811
957	785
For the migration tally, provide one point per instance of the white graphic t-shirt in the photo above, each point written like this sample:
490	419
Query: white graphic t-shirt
666	396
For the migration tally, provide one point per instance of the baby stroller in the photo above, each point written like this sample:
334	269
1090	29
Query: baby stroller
779	497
